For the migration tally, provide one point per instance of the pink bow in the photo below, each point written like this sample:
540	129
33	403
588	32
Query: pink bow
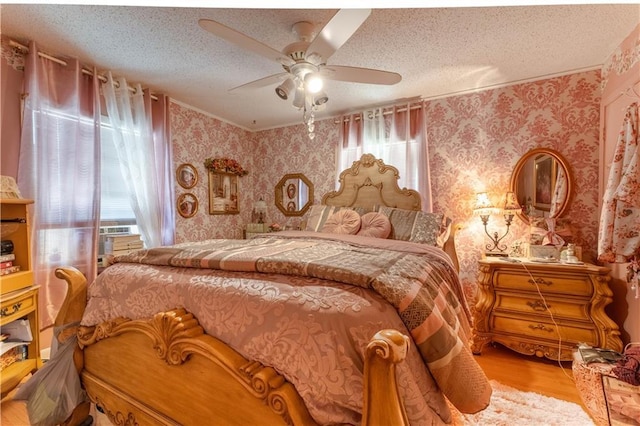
551	237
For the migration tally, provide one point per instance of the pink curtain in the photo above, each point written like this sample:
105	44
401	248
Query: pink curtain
409	132
11	70
161	125
350	135
59	168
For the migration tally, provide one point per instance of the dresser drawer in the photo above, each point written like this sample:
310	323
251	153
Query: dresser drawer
533	304
541	329
561	283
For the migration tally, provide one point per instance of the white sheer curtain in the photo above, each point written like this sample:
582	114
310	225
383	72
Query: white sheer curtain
144	163
398	136
59	168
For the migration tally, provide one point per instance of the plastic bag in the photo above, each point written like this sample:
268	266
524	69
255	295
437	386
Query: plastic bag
54	390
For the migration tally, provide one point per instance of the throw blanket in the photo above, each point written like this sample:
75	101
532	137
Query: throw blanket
418	280
627	368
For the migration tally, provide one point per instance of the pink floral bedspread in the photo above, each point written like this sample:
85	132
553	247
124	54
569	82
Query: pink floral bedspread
307	304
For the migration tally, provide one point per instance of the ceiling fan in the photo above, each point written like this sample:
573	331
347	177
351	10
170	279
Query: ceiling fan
305	61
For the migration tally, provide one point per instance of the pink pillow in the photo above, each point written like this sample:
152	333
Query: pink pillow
342	222
374	224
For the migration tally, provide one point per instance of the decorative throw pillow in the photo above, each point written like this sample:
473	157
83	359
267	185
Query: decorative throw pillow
342	222
318	215
416	226
374	225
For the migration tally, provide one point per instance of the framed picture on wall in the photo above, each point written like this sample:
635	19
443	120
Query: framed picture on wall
544	178
223	193
187	205
187	175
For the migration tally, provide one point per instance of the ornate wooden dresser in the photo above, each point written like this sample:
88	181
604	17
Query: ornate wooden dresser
543	309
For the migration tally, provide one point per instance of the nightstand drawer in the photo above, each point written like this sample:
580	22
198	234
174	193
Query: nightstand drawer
17	304
574	284
533	304
541	329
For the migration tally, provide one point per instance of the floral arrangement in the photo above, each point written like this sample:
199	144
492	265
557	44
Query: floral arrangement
224	165
274	227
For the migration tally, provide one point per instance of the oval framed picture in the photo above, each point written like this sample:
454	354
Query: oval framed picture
187	205
291	191
187	175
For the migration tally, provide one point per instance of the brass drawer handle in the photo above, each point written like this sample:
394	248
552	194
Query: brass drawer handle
4	312
539	281
538	305
541	327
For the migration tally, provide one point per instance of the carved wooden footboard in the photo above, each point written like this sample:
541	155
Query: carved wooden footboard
166	370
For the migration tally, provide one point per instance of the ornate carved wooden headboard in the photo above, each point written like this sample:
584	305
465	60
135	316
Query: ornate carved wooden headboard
369	183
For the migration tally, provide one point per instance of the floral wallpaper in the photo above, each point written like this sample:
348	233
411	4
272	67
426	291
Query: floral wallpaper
475	140
195	137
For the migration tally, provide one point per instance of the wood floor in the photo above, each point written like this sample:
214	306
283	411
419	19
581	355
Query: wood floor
503	365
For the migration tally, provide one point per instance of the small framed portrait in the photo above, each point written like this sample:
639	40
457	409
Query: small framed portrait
291	190
187	205
223	193
187	175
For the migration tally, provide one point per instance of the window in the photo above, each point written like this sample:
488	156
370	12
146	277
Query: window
116	214
400	154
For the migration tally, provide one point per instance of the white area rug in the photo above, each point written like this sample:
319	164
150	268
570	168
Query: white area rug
510	407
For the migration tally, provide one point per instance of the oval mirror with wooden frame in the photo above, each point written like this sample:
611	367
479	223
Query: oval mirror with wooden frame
542	183
294	194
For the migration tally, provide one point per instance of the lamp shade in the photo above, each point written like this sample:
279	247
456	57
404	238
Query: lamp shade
260	205
484	206
511	203
299	98
285	88
320	98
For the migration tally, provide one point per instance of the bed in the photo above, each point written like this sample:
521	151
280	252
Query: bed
294	327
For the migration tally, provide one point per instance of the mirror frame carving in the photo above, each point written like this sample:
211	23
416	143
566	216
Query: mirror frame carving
530	155
279	194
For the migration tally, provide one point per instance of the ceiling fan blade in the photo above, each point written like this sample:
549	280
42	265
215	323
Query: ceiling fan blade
244	41
337	31
360	75
263	82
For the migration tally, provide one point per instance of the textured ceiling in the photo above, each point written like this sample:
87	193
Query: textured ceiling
438	51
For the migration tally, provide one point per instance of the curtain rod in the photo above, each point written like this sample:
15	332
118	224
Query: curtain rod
101	77
346	120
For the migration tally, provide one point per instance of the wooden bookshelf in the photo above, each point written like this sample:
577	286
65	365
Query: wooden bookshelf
18	294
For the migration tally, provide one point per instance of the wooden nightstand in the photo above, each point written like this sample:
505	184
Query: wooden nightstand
517	301
253	229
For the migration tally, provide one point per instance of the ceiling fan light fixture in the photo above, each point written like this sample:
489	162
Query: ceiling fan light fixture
285	88
313	82
320	99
